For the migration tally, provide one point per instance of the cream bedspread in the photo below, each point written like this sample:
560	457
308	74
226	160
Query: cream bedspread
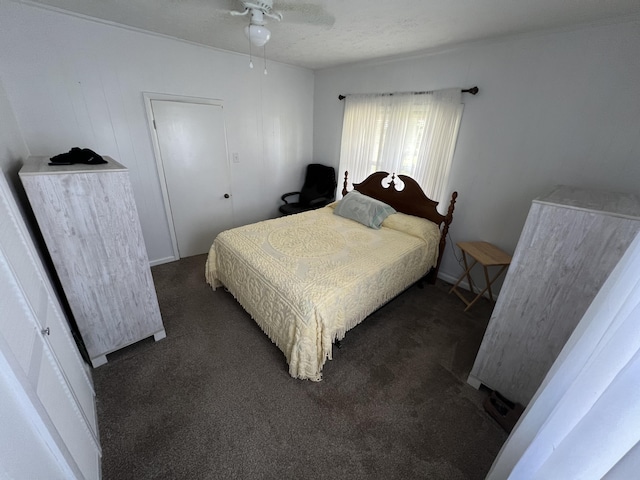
307	279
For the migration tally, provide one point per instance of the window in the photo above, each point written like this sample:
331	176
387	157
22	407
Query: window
409	134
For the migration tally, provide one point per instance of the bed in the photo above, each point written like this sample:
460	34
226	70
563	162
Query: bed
307	279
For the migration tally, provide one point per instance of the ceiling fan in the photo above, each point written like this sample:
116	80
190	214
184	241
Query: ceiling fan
257	33
259	10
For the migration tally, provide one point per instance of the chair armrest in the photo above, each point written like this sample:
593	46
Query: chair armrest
288	195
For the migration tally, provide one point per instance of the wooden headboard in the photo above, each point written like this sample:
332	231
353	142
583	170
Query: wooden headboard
410	200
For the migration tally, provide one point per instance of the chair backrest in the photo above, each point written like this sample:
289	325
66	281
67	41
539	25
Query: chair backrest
320	181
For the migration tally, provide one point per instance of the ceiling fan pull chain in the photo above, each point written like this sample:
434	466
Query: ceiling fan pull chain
265	59
250	57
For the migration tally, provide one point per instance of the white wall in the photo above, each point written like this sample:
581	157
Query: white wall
13	150
555	108
75	82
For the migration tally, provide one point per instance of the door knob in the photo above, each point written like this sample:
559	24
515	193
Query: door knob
226	195
45	331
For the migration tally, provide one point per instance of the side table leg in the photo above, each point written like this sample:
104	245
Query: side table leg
464	274
487	288
488	282
468	271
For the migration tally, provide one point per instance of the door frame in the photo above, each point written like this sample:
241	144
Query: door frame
148	98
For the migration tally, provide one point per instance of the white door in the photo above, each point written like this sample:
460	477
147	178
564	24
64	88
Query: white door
193	150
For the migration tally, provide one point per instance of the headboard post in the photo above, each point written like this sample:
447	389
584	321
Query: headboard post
443	237
344	185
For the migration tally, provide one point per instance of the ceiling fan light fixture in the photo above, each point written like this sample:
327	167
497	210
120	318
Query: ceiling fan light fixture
259	35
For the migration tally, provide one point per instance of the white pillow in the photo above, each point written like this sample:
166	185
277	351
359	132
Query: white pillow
364	209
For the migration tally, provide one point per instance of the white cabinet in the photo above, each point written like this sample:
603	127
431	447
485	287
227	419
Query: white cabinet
571	241
89	221
47	402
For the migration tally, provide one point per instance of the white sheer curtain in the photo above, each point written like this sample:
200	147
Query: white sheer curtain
407	133
584	420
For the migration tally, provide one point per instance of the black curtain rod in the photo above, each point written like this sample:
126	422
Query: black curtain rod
472	91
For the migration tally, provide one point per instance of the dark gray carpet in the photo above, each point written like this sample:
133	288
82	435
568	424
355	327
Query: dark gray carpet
215	400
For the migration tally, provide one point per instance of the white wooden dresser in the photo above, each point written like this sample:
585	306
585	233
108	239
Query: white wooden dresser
571	241
89	221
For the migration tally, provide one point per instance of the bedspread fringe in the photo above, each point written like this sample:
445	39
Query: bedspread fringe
210	271
274	337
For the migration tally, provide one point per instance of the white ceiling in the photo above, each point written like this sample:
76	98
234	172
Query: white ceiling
324	33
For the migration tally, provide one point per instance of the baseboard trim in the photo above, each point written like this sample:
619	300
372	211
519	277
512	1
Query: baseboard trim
160	261
465	285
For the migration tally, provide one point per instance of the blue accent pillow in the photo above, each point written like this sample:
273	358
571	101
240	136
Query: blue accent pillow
361	208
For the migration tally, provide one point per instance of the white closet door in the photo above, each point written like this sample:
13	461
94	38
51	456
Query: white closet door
193	149
46	384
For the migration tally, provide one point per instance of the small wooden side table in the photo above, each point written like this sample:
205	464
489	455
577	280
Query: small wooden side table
487	255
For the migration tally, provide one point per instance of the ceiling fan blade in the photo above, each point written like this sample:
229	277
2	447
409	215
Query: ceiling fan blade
307	13
223	8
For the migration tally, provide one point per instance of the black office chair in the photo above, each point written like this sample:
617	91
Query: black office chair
319	189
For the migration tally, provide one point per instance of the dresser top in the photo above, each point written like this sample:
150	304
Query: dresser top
613	203
37	165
